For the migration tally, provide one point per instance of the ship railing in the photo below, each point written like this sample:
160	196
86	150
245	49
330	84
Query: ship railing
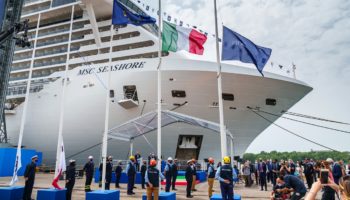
35	10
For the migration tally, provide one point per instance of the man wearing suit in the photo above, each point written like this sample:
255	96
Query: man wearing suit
337	171
143	174
118	174
262	174
275	171
189	178
269	171
29	176
174	173
70	179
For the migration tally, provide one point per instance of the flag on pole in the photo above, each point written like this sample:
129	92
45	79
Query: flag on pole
123	16
18	165
176	38
60	167
237	47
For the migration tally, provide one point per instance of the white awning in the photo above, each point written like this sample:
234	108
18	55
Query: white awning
148	122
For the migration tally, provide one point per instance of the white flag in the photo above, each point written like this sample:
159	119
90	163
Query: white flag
60	166
18	165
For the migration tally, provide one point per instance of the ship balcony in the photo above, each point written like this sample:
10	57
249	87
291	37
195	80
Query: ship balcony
34	8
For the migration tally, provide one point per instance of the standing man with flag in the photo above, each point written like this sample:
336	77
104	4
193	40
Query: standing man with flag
70	179
29	177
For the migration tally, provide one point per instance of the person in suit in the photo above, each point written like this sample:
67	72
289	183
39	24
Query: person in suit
109	169
275	171
137	160
29	177
269	171
189	178
168	174
194	175
118	174
262	174
143	174
226	174
174	170
337	170
89	172
70	179
309	172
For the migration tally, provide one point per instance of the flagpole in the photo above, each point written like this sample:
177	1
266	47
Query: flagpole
159	106
105	135
60	127
25	106
219	78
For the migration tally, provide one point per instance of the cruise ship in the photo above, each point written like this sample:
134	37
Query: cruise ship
77	34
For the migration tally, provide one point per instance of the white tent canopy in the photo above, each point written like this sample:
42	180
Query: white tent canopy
148	122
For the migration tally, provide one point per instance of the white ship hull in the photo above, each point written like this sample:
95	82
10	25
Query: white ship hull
85	107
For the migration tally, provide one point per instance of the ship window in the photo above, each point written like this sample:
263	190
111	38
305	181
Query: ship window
227	97
178	93
271	102
130	92
111	93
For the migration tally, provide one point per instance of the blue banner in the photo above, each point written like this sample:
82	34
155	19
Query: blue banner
237	47
123	16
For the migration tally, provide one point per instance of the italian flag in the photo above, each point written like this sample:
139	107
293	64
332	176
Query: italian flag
176	38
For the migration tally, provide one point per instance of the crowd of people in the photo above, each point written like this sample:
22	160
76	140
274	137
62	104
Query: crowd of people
291	180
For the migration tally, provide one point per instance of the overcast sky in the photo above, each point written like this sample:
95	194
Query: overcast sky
313	34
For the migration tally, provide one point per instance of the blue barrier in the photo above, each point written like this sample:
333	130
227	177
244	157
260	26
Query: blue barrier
8	158
11	193
201	175
52	194
163	196
219	197
103	195
123	178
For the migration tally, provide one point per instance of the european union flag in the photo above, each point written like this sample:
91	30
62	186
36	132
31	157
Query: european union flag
237	47
123	16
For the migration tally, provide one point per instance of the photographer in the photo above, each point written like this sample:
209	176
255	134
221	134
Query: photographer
328	191
292	184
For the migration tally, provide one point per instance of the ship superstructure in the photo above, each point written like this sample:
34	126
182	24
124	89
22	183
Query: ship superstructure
77	34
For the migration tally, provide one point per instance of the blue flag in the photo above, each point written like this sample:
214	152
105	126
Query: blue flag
123	16
237	47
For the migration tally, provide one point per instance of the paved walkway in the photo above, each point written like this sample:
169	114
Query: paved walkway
44	181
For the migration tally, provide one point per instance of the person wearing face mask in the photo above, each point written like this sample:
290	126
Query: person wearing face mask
109	169
29	176
89	172
70	179
168	174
